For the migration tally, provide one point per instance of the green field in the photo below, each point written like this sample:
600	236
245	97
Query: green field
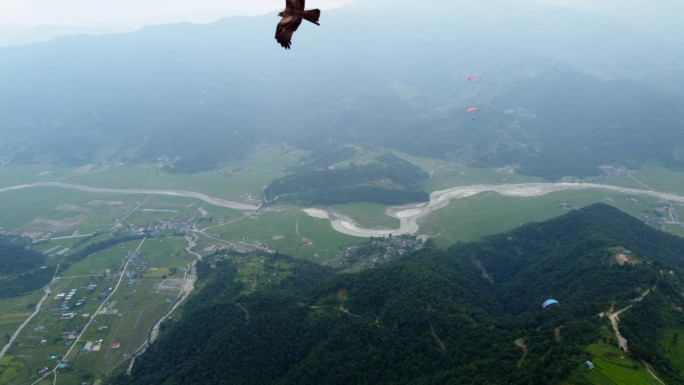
135	307
447	174
15	175
368	215
612	367
673	345
13	311
470	219
32	209
654	178
236	180
284	231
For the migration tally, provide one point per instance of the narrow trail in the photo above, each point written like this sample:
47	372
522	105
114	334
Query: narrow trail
614	317
439	340
245	310
21	327
649	368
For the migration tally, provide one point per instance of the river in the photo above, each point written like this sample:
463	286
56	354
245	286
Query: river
409	215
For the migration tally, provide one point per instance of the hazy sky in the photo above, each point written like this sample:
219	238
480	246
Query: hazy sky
136	13
133	13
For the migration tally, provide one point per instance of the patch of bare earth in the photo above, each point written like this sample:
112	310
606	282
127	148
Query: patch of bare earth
623	259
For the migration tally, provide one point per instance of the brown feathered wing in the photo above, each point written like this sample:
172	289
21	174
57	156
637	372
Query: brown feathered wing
312	15
286	27
294	5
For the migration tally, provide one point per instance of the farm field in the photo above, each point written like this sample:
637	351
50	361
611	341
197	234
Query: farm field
68	217
446	174
613	367
13	311
61	211
288	231
242	180
653	178
470	219
120	321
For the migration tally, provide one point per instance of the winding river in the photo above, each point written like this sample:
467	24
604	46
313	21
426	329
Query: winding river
409	215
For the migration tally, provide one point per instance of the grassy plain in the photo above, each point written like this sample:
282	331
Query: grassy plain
135	306
368	215
285	230
33	208
23	174
470	219
653	178
241	180
673	346
612	367
446	174
13	311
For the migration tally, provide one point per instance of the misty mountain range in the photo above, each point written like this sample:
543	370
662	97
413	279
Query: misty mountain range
555	100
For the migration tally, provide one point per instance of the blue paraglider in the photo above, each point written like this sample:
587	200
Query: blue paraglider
549	302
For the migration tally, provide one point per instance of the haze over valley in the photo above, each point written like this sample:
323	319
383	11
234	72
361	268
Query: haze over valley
389	201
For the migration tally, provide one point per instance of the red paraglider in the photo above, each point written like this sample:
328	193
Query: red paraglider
471	77
473	109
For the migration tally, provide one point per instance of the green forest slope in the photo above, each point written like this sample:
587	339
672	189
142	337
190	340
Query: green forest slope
467	315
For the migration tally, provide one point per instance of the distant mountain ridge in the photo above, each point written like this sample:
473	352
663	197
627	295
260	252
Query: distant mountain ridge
201	95
470	314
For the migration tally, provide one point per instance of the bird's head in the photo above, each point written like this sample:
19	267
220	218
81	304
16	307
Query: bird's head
281	13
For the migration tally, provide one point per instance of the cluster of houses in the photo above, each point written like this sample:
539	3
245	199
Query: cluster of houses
378	250
136	268
64	314
172	225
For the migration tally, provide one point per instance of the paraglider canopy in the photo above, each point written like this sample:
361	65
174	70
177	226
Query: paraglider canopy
471	77
549	302
473	109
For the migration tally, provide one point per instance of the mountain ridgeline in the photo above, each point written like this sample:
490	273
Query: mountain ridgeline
550	106
467	315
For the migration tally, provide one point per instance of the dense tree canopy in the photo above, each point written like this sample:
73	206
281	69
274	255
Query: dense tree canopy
468	315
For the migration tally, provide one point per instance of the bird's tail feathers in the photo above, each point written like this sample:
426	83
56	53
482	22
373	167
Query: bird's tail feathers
312	15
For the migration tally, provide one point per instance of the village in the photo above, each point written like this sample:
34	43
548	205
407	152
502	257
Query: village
376	251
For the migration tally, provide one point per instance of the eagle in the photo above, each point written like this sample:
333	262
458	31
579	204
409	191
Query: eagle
292	16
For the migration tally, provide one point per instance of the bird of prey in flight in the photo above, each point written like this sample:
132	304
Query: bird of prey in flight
292	16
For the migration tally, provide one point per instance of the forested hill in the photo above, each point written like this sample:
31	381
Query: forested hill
385	178
467	315
20	266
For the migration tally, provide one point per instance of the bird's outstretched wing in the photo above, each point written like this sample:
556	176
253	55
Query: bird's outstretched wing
286	27
294	5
